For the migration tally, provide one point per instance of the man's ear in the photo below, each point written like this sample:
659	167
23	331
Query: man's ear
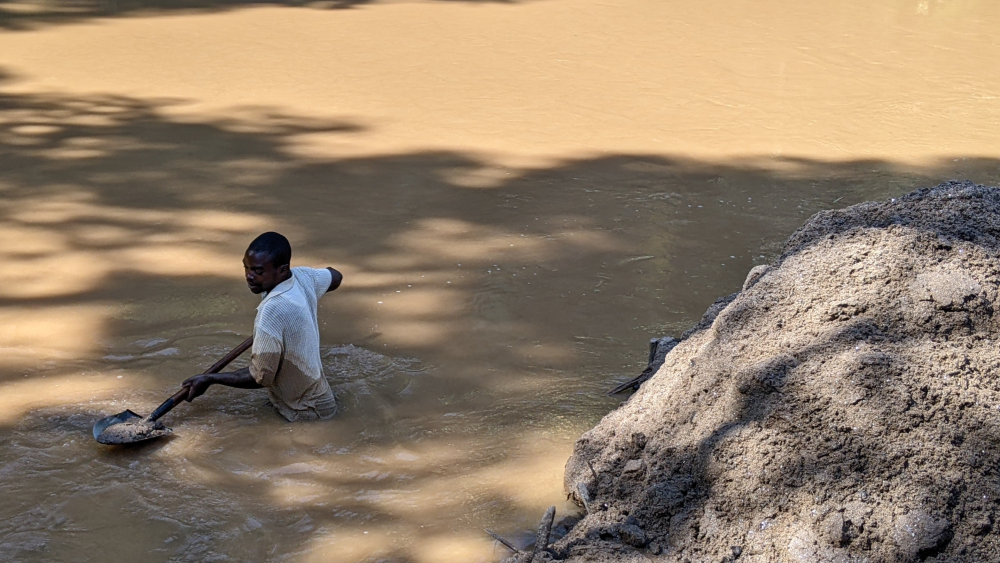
283	269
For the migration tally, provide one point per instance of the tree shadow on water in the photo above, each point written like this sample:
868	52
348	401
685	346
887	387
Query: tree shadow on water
31	14
126	229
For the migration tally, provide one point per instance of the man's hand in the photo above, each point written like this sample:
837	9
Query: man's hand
197	385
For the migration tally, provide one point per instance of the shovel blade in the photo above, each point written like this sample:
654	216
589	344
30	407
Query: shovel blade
119	418
127	428
132	431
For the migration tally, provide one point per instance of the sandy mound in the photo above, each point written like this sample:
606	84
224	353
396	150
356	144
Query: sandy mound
845	406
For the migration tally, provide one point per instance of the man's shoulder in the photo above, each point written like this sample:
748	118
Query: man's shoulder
308	271
313	280
281	304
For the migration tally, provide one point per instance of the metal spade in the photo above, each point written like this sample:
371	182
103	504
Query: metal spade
128	428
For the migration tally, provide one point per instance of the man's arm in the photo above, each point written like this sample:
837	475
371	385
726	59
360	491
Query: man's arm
198	384
336	278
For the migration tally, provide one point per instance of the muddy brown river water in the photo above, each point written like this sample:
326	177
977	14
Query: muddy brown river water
520	195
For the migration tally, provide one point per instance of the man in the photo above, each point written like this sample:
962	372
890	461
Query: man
285	357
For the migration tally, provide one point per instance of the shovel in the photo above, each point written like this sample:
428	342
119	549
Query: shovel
128	428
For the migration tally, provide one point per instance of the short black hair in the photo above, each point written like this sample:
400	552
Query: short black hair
275	246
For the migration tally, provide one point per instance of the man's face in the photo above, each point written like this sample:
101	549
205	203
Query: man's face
261	273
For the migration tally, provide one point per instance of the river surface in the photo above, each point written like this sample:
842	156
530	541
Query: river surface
519	194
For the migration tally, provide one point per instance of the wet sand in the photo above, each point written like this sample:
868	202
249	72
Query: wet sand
628	161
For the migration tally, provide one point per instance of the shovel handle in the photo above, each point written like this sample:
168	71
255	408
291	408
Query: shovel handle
170	403
235	353
179	396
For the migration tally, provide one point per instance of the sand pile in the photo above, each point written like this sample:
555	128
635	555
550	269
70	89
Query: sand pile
844	406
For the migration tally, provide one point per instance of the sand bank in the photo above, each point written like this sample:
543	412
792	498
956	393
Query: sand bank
844	406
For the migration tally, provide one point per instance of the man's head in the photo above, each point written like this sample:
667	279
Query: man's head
267	262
